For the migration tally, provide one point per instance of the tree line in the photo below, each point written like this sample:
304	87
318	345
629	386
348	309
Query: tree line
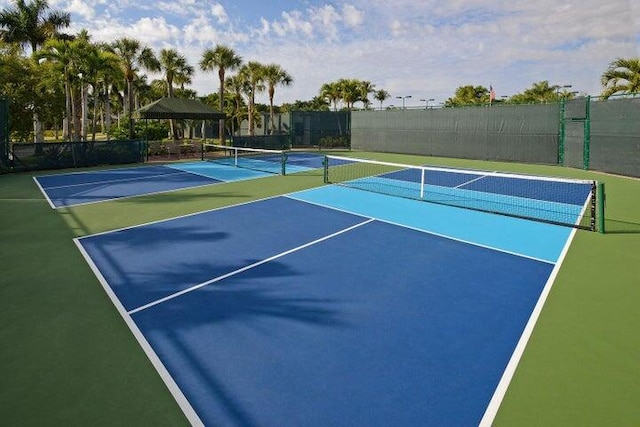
71	85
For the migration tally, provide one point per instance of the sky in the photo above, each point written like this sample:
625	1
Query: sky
424	49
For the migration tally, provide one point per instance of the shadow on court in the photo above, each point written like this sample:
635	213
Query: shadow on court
613	226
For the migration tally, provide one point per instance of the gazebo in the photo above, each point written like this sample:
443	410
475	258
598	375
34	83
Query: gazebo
179	109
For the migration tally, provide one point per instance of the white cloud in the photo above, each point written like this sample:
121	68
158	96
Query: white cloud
291	24
81	8
199	31
425	48
220	13
151	31
326	21
352	16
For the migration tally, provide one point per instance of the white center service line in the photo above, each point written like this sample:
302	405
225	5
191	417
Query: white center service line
248	267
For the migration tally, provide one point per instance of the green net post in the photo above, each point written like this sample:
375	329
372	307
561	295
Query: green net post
284	163
325	164
600	202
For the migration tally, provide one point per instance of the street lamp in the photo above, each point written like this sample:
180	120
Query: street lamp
426	101
565	87
403	98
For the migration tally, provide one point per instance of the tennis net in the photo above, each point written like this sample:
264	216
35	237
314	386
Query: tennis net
569	202
271	161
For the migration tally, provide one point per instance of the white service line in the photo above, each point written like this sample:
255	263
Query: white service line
248	267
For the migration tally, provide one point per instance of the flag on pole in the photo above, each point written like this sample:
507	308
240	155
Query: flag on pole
492	94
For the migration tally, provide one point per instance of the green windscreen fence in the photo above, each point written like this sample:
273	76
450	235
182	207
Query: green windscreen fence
521	133
61	155
584	133
267	142
614	136
320	129
4	134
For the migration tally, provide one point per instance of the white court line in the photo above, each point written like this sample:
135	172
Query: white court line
509	371
180	398
444	236
111	181
159	221
248	267
473	180
46	196
137	195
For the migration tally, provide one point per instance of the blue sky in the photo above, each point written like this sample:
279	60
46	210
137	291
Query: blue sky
422	48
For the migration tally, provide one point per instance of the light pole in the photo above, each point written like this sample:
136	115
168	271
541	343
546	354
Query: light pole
403	98
565	87
426	101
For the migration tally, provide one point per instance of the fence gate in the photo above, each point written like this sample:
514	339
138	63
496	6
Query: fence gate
574	133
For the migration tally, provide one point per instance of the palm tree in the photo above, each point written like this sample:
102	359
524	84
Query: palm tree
29	24
132	57
183	77
236	87
173	65
252	74
350	91
623	75
479	95
273	76
223	58
64	53
332	93
381	96
102	69
543	91
366	87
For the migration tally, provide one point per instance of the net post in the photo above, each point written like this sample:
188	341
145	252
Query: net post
325	164
600	201
284	163
422	183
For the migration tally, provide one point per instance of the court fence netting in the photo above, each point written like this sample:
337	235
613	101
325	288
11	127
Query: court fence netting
264	160
76	154
561	201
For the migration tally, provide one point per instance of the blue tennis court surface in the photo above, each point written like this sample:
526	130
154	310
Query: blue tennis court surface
330	306
97	186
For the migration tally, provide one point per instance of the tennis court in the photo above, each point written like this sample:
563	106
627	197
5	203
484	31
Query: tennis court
333	306
72	189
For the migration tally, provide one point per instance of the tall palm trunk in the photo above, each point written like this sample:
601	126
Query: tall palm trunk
271	113
67	90
221	73
84	107
107	111
132	132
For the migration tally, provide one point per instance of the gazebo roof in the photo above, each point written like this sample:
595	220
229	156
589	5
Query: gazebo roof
179	108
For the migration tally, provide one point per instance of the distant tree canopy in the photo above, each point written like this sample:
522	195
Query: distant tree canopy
539	92
67	82
468	95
